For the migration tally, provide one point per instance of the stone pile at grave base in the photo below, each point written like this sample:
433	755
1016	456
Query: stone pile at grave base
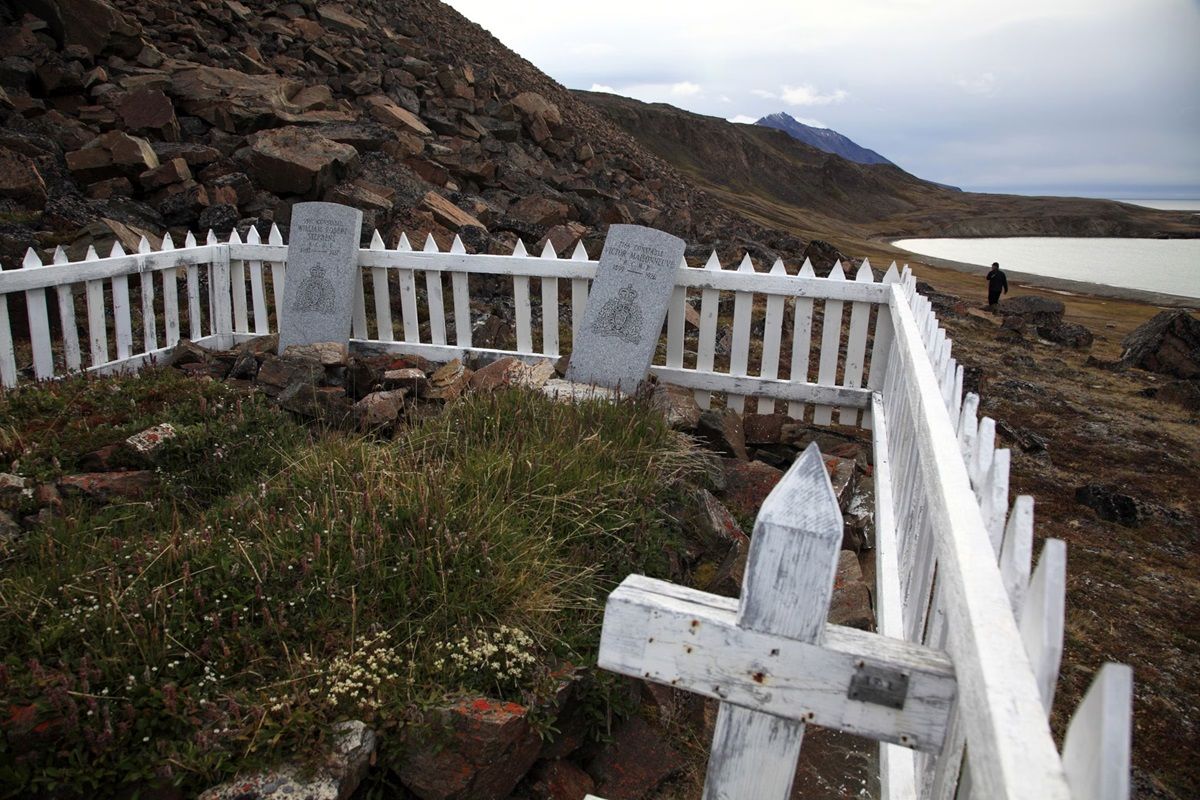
129	117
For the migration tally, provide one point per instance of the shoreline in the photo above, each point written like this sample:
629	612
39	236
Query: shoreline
1058	285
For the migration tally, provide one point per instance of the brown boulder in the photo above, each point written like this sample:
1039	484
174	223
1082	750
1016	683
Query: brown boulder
448	381
477	750
677	405
380	408
560	780
327	404
1033	310
20	179
385	111
106	485
296	160
851	601
237	102
1070	334
174	171
278	372
562	237
540	211
149	111
1168	343
765	428
496	375
722	432
112	155
534	106
338	19
1182	393
92	24
747	484
634	763
447	214
410	378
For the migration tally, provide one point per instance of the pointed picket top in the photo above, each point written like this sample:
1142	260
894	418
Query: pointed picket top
1016	552
519	250
117	250
747	264
211	238
234	238
60	256
404	244
548	250
777	268
144	246
580	252
713	262
377	241
168	243
32	259
838	272
91	254
806	270
864	274
189	240
430	245
457	246
892	275
252	235
274	237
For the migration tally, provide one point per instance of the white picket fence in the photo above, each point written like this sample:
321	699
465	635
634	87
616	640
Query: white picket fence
954	561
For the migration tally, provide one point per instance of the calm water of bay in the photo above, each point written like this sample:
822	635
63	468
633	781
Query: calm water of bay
1170	266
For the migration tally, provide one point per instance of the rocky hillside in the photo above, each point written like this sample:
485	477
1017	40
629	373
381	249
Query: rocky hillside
123	117
772	177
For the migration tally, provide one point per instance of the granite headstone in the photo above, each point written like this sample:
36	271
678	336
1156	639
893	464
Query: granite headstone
626	307
318	294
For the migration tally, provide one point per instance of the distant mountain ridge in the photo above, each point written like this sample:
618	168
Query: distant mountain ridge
826	139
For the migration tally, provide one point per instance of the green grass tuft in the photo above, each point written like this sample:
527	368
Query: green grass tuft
301	579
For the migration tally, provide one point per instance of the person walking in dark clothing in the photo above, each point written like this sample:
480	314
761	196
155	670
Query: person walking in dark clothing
997	282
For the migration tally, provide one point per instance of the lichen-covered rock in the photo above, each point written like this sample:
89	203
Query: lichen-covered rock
336	779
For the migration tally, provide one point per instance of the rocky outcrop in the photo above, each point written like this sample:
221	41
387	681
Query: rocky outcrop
177	116
1169	343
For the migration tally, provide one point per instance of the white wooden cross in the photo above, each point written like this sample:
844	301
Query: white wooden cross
771	659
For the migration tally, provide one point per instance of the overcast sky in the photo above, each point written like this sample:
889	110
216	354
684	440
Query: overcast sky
1075	97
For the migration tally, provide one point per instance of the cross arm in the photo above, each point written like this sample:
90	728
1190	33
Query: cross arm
689	639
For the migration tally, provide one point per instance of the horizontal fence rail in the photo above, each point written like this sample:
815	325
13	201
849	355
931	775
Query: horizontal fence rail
954	558
428	303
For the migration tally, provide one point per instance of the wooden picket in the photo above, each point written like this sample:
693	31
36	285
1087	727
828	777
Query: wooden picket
460	288
382	295
772	335
739	353
579	293
706	346
549	286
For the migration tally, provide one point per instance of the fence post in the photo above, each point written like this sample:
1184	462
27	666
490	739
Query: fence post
222	286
